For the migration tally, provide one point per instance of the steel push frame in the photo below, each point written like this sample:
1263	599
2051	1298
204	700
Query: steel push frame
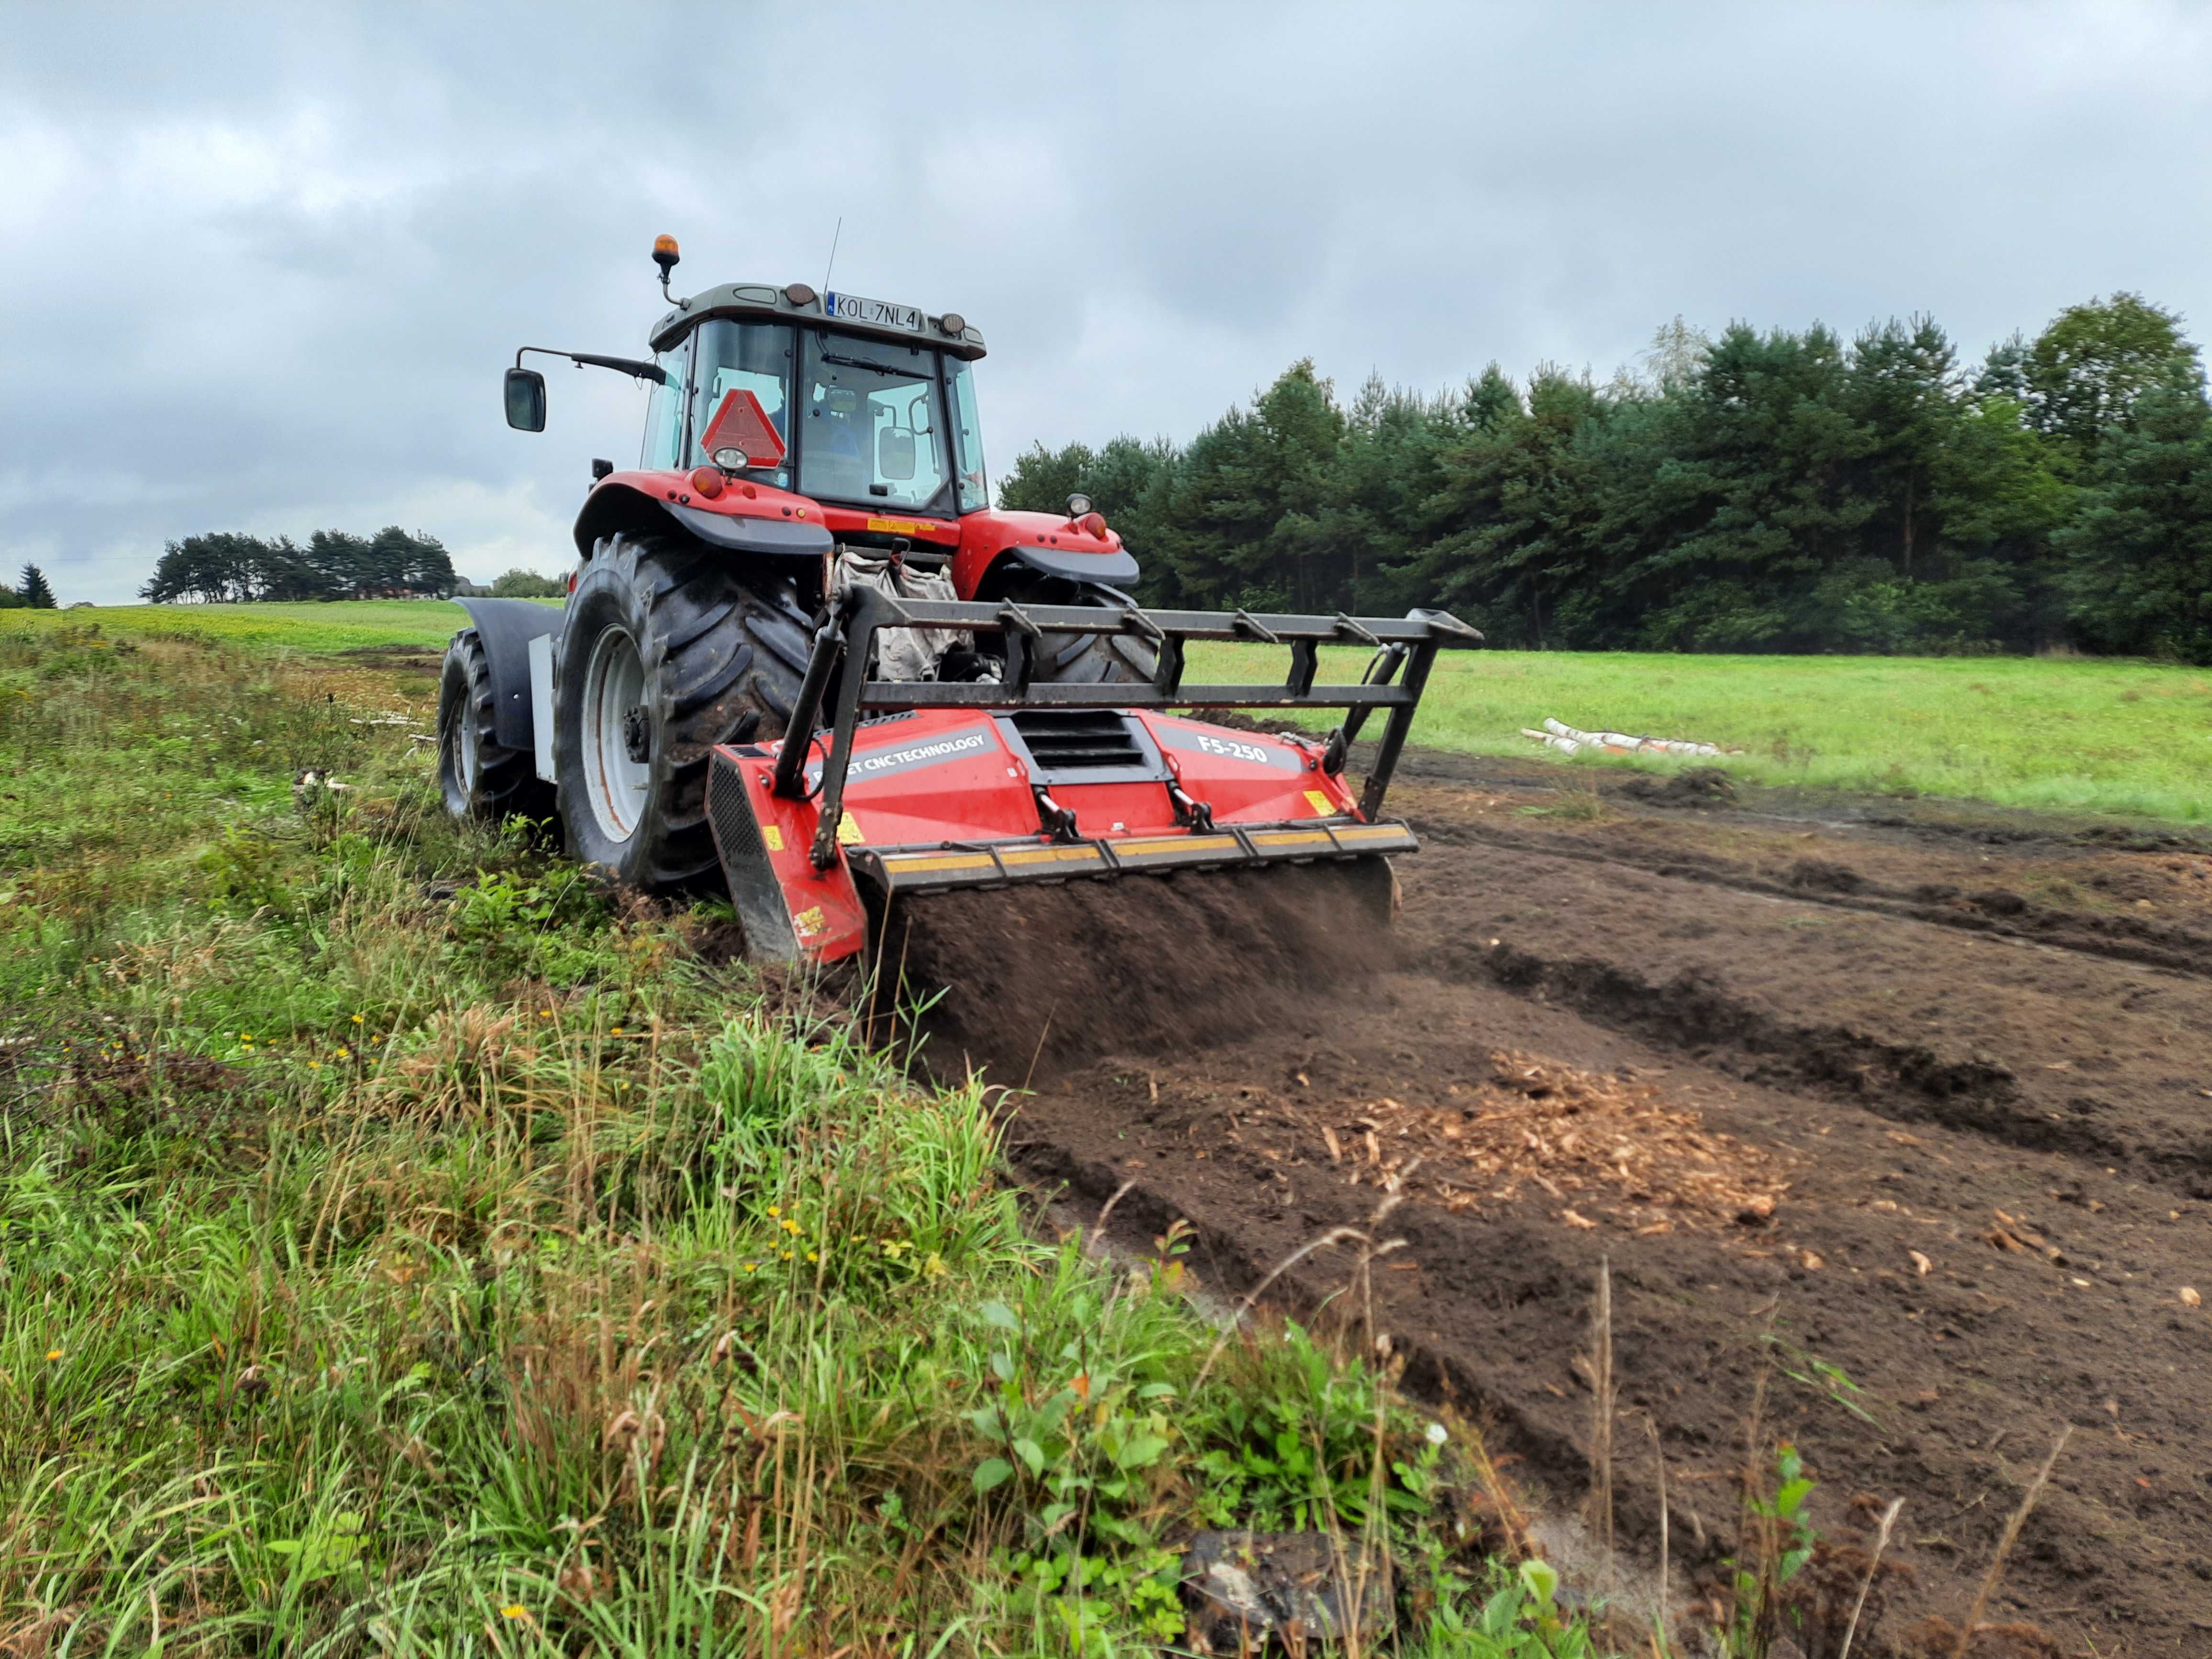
846	636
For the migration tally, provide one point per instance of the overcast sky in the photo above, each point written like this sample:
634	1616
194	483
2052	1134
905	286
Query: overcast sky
261	270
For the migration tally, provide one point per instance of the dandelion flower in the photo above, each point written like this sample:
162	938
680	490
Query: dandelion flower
618	1031
345	1054
514	1610
811	1256
775	1209
53	1353
356	1019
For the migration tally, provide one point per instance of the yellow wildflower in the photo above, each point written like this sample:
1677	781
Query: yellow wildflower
53	1353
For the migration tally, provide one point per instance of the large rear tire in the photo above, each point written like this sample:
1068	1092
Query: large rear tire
480	777
665	652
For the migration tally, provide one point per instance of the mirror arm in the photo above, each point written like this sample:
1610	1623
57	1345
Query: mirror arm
643	371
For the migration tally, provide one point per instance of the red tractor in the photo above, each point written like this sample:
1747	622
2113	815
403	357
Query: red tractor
800	645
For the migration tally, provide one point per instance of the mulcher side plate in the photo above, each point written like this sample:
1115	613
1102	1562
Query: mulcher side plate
937	800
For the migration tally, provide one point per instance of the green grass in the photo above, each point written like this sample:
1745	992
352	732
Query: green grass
340	626
407	1247
2119	736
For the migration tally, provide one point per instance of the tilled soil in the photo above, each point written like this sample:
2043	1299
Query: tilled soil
1907	1109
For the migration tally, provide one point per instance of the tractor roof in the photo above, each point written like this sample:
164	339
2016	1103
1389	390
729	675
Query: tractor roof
797	303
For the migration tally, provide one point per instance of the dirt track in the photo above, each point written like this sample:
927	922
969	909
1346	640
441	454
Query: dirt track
1972	1040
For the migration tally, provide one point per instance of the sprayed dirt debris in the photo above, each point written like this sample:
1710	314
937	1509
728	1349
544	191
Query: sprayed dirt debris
1611	1150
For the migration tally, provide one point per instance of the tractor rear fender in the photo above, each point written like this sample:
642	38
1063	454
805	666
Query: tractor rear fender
507	627
769	522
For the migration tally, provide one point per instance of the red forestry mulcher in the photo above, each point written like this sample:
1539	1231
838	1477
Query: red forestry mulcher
802	652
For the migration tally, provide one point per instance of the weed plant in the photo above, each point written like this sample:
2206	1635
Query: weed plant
407	1248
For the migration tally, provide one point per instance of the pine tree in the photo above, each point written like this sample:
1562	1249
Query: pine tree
38	593
2139	553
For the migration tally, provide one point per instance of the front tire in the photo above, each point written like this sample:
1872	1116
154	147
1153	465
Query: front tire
480	778
1086	659
664	651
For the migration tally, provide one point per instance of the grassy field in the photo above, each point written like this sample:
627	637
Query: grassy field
2123	737
349	625
406	1248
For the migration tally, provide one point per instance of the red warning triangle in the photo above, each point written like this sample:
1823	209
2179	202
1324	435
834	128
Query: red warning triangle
742	423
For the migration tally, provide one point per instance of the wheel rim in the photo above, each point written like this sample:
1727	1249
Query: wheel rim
458	744
614	684
464	746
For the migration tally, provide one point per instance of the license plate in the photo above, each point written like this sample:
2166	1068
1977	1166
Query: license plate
851	308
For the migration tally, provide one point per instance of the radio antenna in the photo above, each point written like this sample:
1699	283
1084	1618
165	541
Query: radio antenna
832	265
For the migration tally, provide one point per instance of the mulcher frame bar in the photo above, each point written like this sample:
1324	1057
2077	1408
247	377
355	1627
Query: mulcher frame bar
848	635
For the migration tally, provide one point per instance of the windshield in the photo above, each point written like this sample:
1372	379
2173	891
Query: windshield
871	430
753	357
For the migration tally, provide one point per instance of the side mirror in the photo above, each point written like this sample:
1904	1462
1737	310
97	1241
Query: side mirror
895	453
526	400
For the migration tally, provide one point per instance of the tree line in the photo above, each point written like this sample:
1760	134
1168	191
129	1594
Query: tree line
31	591
228	566
1777	490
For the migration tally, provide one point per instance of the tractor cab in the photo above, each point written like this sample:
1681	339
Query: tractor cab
872	405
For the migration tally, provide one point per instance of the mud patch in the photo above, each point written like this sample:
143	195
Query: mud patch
1995	1131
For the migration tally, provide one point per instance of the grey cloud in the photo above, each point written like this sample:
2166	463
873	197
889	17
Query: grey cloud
261	268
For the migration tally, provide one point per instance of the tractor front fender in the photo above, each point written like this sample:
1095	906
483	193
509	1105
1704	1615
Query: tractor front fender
507	627
1116	568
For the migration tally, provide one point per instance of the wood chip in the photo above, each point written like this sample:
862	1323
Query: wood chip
1921	1264
1574	1220
1565	1131
1335	1146
2189	1297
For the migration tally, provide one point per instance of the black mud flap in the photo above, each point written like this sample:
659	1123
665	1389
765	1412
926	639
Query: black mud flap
507	627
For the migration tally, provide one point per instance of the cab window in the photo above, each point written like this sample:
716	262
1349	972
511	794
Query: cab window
753	357
871	425
968	437
664	414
